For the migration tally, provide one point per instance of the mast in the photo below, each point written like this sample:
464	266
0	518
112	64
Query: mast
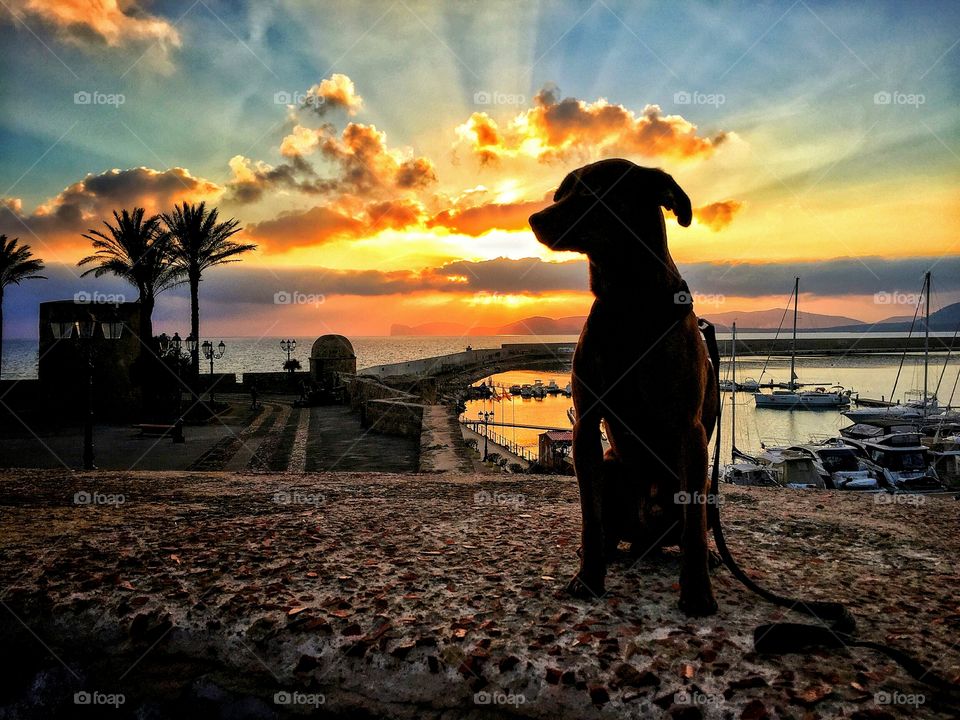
733	401
793	350
926	335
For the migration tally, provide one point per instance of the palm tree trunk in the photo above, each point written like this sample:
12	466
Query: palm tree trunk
195	321
1	332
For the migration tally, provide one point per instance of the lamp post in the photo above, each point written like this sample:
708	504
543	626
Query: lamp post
83	331
288	346
211	353
485	417
171	347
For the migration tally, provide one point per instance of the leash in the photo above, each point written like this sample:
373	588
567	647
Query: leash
786	638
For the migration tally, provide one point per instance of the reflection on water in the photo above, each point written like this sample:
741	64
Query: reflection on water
872	376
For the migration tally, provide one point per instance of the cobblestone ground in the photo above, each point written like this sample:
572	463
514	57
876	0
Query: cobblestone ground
442	596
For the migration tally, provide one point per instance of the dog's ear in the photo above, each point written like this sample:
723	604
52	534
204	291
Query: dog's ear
668	194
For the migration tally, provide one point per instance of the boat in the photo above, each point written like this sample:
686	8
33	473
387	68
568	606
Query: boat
900	461
552	388
526	390
538	390
793	399
924	404
568	390
792	468
514	389
839	466
742	469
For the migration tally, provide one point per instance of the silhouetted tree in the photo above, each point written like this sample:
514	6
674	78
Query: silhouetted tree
16	264
137	250
200	242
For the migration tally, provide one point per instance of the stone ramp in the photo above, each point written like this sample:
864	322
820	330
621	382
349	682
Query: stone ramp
337	442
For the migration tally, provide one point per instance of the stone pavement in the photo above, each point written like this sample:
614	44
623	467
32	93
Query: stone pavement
441	596
276	437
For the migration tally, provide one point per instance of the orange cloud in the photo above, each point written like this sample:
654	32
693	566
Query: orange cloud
347	218
478	220
559	129
102	20
60	219
337	91
364	158
718	215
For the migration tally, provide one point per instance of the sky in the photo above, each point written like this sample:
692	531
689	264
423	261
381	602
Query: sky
385	156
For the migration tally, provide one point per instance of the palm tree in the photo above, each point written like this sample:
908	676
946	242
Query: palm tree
137	250
200	242
16	264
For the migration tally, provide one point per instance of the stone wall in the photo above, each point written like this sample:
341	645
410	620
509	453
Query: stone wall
394	417
275	382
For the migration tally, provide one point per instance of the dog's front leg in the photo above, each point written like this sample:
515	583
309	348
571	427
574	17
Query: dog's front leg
588	463
696	593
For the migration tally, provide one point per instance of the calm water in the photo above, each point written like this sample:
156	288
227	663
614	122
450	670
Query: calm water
264	354
870	375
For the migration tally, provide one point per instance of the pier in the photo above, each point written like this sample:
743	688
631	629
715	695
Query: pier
477	363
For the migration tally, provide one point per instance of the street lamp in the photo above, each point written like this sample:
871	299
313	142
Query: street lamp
171	348
288	346
83	331
485	417
212	353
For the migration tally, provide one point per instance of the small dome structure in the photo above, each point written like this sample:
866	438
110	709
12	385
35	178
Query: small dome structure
329	355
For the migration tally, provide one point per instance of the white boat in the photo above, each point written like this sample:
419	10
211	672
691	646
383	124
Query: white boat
924	405
900	461
819	399
742	469
839	466
792	398
909	411
538	390
792	469
552	388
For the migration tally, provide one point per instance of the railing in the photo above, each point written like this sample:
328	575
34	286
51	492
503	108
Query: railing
498	439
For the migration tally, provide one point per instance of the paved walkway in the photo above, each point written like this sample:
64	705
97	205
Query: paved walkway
275	437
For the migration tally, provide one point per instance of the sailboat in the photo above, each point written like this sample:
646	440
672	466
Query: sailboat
924	406
742	469
792	398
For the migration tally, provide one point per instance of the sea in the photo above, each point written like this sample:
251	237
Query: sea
871	376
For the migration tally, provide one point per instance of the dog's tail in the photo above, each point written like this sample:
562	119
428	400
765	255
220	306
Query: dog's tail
783	638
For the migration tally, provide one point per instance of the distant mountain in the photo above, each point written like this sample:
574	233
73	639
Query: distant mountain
770	320
943	320
433	328
545	326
